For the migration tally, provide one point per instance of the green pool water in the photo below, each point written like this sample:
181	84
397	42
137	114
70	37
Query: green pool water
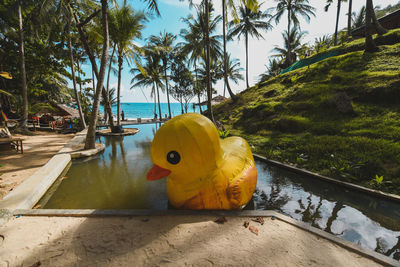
116	180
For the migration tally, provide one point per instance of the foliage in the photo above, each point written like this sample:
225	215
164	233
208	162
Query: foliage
223	134
293	117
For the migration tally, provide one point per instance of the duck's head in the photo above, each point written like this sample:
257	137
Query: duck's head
186	147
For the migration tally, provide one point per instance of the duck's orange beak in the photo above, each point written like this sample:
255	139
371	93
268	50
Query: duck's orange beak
156	173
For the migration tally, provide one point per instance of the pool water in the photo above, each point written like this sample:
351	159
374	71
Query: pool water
116	180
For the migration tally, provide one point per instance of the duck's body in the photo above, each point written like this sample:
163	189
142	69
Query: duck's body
210	173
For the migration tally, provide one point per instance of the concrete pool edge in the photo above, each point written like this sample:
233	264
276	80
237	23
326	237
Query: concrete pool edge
30	191
376	193
375	256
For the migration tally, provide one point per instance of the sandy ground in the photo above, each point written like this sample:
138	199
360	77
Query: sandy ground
38	149
165	240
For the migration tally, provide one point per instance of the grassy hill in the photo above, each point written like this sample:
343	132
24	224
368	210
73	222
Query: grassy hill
339	117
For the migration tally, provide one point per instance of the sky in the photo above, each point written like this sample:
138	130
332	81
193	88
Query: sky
259	50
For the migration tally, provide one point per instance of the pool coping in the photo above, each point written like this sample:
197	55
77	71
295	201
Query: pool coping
32	189
375	256
294	169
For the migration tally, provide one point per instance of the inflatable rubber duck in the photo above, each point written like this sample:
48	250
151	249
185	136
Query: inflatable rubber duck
203	171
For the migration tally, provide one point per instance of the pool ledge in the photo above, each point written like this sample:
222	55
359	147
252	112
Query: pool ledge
379	258
328	179
30	191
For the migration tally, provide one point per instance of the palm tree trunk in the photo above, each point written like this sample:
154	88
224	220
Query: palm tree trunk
107	100
92	59
166	86
93	82
378	27
155	101
289	49
91	133
246	39
207	43
370	45
159	105
24	121
197	89
349	18
233	96
339	2
119	89
71	60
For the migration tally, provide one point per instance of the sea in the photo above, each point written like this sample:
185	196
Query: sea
146	110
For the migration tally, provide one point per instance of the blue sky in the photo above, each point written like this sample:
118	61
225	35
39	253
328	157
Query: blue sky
259	50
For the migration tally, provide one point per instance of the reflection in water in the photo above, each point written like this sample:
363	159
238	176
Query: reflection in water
365	220
116	180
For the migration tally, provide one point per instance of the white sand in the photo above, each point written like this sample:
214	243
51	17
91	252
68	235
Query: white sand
165	240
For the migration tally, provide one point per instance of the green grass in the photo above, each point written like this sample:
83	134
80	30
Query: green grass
293	117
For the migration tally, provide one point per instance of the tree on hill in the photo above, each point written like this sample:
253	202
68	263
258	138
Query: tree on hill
293	8
250	24
291	41
370	19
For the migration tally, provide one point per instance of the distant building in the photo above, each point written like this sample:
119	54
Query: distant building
390	21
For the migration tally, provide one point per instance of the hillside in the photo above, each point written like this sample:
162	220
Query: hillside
339	117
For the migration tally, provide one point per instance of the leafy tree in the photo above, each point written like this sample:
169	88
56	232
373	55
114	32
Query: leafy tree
250	24
273	70
182	91
293	9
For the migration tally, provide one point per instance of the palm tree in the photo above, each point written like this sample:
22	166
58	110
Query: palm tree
293	9
163	45
250	23
292	40
125	26
22	67
195	44
273	70
358	19
339	3
149	74
233	69
90	142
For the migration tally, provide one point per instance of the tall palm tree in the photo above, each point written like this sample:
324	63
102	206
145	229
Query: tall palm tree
293	9
90	142
22	66
339	4
250	24
150	74
194	43
163	45
126	25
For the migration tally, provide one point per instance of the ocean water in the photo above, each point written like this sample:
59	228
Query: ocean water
146	110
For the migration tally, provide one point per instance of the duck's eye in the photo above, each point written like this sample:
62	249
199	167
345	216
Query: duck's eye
173	157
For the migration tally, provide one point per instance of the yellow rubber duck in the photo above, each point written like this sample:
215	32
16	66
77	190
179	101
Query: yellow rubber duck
203	171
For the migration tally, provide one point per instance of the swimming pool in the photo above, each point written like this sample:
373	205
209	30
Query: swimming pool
116	180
